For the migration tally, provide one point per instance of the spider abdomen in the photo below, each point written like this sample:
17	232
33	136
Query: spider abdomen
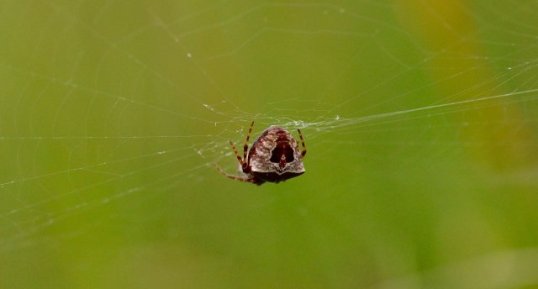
275	177
276	151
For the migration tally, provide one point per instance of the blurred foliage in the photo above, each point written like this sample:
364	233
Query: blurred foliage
420	119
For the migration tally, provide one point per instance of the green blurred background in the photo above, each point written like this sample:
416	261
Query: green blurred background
420	119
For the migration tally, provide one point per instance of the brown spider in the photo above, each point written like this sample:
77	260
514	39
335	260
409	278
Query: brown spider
273	157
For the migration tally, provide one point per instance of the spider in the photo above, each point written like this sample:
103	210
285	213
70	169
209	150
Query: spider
274	157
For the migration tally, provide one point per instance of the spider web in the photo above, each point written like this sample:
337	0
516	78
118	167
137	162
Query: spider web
114	116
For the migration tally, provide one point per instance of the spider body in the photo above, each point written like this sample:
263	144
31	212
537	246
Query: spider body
273	157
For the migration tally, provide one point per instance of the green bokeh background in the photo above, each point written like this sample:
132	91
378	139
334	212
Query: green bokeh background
420	119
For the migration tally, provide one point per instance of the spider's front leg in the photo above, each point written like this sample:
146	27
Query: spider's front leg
242	161
239	159
245	145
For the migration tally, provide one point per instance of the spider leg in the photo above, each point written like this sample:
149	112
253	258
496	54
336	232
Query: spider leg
237	154
245	145
237	178
303	152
